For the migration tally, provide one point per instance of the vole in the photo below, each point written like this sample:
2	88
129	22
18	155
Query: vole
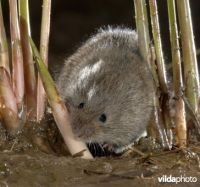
108	89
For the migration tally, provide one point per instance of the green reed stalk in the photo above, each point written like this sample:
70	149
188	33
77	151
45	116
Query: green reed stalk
145	47
164	97
191	75
142	28
17	56
44	43
156	127
4	56
8	106
29	71
158	46
180	118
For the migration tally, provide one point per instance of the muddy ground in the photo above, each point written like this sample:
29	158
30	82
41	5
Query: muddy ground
37	157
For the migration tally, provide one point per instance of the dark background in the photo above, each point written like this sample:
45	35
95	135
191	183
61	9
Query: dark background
73	21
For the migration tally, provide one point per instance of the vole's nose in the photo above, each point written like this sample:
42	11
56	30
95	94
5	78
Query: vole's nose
81	128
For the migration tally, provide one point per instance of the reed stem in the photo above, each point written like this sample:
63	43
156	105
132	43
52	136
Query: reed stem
158	46
29	70
4	57
180	118
17	56
191	74
44	43
144	45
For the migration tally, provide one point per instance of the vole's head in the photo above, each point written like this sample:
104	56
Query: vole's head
105	106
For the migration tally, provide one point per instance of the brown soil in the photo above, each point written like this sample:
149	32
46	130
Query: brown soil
29	159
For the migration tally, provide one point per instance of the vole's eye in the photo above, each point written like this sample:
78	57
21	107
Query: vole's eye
81	105
103	118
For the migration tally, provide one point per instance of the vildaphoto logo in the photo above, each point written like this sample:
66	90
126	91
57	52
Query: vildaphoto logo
172	179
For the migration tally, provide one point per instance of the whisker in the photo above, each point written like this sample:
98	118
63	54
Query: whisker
94	147
101	147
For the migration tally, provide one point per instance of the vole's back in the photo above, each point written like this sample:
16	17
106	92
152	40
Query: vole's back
108	89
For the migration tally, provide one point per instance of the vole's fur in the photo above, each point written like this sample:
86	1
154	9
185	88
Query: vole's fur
108	89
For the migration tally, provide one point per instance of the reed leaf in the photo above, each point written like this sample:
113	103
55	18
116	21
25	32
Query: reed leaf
59	109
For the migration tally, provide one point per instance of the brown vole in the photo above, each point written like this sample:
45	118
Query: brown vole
108	89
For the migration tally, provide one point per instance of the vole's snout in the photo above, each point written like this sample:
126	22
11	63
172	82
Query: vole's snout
81	129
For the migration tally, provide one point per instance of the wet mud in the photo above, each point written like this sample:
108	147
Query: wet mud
36	158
